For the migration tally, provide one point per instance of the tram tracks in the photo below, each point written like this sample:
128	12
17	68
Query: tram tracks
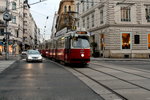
119	91
124	71
116	77
117	94
122	79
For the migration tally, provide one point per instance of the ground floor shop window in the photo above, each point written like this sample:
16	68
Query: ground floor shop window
126	42
148	41
102	41
1	49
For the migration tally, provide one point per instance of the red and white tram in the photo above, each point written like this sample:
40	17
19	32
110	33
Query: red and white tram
70	47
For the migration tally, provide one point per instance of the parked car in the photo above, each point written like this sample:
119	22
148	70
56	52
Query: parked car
33	55
24	54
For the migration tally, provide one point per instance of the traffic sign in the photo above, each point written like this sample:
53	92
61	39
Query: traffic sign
7	33
7	16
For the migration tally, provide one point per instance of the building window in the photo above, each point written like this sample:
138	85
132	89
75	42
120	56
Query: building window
147	11
65	21
102	41
126	14
14	19
13	5
65	9
78	7
126	42
1	32
87	3
83	23
17	33
148	41
92	3
78	24
69	8
101	16
87	22
83	7
93	17
136	39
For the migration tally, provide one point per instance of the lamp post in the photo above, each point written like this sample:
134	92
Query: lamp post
7	18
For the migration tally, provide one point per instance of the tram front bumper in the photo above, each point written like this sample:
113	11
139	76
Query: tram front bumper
80	60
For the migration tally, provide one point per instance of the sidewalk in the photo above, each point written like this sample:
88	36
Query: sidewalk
11	57
118	59
6	63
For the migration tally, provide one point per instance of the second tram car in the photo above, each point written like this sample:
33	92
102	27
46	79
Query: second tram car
71	47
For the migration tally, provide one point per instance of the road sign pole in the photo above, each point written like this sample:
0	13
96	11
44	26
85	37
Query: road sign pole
7	47
7	18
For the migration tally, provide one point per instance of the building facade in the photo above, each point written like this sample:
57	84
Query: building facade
121	29
22	27
2	24
53	29
30	28
15	26
65	16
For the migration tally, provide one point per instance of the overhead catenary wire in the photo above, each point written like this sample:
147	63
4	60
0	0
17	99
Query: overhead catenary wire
22	6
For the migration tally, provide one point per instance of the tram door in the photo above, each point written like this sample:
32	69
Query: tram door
67	49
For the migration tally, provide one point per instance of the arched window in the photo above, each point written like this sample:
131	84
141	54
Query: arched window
69	8
65	9
13	5
14	19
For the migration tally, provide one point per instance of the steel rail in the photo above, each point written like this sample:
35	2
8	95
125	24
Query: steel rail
125	71
120	79
119	95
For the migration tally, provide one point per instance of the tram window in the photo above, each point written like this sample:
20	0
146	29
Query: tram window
80	43
76	43
67	43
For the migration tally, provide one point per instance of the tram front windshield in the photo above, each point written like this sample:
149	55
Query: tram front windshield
80	42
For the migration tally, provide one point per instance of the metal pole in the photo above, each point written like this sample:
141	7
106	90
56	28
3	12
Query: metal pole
7	49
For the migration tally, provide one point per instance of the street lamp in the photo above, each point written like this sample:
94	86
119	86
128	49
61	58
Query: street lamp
7	18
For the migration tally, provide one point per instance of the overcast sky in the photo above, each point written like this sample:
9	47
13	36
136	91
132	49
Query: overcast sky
41	11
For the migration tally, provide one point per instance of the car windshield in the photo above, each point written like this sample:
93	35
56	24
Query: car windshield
33	52
80	43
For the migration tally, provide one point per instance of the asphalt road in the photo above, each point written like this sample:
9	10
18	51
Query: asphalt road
42	81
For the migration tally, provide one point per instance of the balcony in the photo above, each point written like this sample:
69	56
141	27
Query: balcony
2	9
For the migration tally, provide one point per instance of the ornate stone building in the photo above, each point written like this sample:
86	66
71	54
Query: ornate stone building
65	14
22	26
15	26
121	28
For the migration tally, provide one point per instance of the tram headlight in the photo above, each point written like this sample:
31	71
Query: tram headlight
82	55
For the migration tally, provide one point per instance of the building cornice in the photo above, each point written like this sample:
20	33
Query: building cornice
119	25
130	25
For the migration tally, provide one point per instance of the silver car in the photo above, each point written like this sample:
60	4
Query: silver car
34	55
